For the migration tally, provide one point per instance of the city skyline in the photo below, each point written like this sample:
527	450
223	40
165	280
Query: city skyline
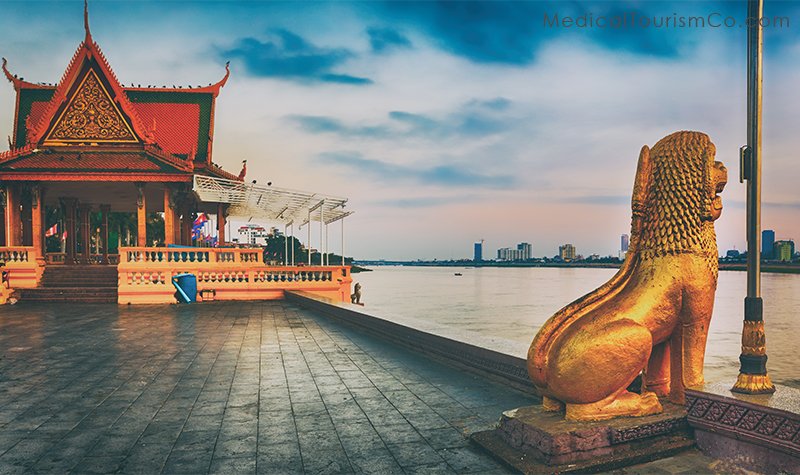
444	123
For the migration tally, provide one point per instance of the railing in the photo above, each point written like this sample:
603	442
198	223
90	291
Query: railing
9	255
145	275
20	265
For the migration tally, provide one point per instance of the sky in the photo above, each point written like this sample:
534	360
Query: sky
445	123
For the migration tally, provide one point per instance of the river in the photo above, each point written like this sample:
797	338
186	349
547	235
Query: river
503	308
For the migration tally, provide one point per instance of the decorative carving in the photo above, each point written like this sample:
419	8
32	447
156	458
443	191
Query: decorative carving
717	410
140	195
668	426
36	192
592	349
91	116
753	338
743	420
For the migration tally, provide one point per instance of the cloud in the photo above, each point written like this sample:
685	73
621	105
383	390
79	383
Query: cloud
287	55
475	119
600	200
385	39
323	124
423	202
441	175
512	32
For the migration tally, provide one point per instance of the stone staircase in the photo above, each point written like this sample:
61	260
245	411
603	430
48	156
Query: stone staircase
77	283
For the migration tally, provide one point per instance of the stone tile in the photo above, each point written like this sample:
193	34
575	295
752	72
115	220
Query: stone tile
102	464
188	461
414	454
238	465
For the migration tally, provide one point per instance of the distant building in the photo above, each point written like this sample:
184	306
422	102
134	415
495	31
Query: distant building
567	252
526	251
783	250
478	254
625	242
732	253
523	252
767	244
253	234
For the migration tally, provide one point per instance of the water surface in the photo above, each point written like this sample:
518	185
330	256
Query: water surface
503	308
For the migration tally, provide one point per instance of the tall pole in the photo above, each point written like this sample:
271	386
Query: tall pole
292	242
308	249
342	241
322	235
753	377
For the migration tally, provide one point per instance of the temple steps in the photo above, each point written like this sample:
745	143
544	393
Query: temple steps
77	283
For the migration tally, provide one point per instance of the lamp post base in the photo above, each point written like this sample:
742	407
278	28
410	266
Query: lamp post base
753	384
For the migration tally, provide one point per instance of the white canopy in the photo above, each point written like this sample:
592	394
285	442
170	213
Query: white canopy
248	200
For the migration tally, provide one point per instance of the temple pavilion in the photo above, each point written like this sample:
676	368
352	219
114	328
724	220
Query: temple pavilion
91	145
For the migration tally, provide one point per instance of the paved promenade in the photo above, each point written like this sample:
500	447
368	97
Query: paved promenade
228	388
236	388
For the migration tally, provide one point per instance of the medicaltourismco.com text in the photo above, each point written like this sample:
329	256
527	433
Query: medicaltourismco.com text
638	20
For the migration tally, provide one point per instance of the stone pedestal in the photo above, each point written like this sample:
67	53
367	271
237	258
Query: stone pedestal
534	441
758	432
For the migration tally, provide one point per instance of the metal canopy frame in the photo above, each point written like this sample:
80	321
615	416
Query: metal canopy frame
275	204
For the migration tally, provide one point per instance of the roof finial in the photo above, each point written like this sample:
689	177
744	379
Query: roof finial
86	21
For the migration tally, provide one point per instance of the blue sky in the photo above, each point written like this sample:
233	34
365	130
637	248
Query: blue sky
449	122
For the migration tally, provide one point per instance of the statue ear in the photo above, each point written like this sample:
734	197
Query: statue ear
642	182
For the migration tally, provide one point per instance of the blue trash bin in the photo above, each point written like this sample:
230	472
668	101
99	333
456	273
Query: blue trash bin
186	284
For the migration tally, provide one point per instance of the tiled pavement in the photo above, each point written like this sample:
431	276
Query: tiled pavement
228	388
236	388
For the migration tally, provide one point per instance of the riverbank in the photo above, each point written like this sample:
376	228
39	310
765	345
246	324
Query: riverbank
775	268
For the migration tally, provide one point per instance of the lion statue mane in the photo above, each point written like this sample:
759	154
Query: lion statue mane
651	318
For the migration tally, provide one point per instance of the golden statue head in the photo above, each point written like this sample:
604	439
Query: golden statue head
680	194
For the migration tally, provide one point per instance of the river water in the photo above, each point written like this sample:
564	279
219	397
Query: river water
503	308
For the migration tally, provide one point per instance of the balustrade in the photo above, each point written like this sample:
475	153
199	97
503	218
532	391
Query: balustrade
233	274
9	255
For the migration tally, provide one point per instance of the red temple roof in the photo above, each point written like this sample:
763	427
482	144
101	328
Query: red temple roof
173	126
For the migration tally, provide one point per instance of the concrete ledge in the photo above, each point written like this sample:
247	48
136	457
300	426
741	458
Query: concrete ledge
504	368
758	432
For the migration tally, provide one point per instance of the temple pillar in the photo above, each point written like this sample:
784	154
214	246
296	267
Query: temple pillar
3	217
186	226
37	221
169	216
26	218
12	217
86	233
70	207
141	215
220	224
105	210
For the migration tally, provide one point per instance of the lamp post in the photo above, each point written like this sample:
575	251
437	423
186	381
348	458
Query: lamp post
753	377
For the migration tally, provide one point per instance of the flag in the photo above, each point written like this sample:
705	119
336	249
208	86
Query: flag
243	173
64	236
201	218
52	231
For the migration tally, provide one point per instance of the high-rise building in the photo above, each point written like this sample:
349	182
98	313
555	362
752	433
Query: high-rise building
526	251
767	244
625	241
784	250
478	254
567	252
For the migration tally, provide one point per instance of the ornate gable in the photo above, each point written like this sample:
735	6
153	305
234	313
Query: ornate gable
90	115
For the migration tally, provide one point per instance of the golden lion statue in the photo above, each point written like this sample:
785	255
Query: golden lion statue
652	317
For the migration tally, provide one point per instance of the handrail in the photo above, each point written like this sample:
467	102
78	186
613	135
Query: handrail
17	254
